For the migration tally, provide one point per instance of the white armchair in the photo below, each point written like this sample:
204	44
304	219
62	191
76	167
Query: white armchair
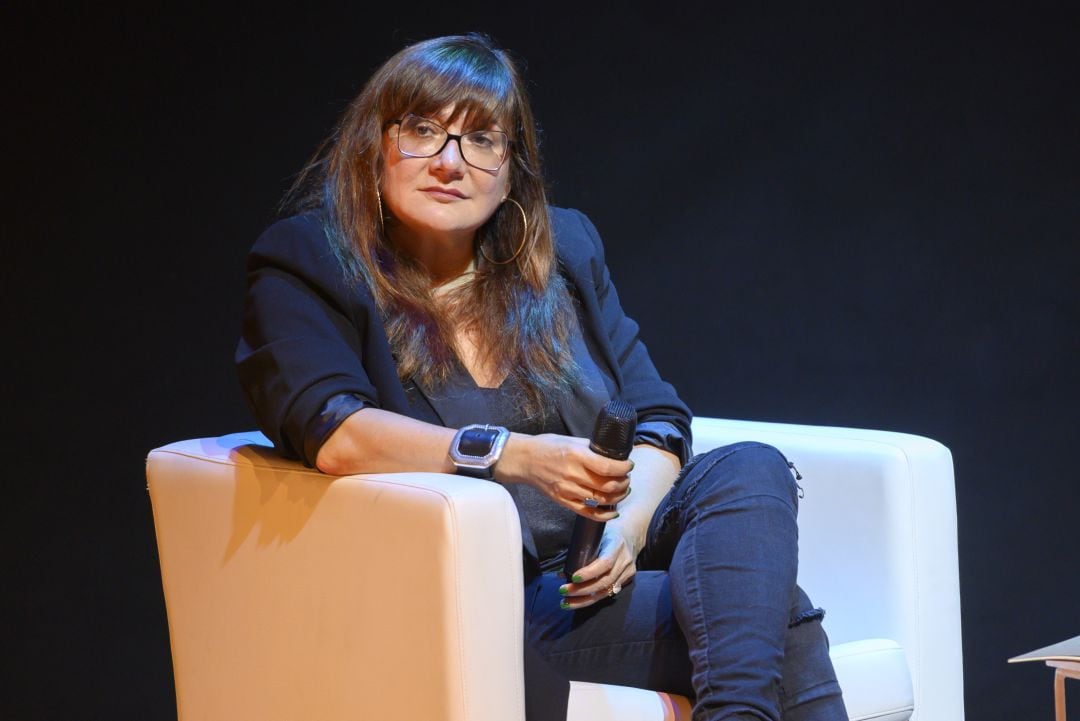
294	595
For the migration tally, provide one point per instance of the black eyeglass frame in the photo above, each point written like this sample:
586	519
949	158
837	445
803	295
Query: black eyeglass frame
449	136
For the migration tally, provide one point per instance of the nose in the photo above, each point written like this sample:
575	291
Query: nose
449	158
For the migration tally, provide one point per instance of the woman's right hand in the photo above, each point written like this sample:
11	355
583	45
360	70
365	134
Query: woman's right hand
566	471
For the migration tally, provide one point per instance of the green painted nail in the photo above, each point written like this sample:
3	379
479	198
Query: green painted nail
565	605
564	590
577	579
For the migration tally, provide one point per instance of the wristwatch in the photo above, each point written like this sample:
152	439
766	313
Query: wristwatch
476	449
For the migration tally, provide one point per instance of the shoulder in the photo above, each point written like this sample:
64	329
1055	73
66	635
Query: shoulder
300	247
577	241
300	239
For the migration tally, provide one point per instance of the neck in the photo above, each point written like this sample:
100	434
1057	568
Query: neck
444	256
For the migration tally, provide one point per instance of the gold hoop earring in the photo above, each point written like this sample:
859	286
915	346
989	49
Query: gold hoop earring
378	198
524	238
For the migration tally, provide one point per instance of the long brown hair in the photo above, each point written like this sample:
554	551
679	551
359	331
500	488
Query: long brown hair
521	311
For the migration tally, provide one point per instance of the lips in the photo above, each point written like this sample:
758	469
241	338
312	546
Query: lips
438	191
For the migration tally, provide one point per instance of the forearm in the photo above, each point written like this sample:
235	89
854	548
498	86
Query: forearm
376	441
372	440
654	472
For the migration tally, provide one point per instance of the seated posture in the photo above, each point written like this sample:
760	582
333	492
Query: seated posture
426	310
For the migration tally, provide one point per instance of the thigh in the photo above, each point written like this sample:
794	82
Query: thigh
629	640
713	480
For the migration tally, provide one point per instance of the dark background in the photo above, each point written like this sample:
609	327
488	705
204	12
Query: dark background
861	216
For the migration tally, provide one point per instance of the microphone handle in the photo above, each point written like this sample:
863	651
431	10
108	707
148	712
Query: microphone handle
584	544
613	437
585	539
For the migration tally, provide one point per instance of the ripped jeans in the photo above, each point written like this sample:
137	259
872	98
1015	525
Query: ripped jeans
714	612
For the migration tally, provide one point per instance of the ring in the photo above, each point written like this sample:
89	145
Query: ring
615	588
591	503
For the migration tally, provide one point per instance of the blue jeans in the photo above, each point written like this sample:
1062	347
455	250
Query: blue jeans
714	612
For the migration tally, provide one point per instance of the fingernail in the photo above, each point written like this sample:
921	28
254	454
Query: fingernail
564	590
565	605
615	516
577	578
631	465
628	489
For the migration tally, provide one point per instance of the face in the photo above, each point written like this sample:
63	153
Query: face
441	197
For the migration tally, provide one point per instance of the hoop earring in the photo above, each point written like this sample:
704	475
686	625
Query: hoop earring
378	197
524	238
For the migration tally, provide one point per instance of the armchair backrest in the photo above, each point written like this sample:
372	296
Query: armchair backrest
877	543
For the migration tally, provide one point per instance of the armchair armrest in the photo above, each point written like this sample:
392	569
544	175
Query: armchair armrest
292	594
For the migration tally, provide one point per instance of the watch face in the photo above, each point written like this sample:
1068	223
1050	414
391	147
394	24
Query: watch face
476	442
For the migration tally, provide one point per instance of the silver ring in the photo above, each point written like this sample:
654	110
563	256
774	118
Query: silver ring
591	503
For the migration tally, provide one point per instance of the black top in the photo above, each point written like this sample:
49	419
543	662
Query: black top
462	402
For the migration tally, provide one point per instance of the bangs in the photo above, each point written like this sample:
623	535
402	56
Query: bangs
472	80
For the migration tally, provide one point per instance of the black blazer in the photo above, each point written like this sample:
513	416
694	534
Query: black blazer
308	335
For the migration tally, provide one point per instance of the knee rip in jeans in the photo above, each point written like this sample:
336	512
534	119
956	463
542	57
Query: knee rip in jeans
811	614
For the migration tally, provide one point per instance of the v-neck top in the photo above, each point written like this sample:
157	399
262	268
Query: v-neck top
460	401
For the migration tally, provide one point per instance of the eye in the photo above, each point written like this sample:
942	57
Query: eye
423	129
420	127
483	141
493	141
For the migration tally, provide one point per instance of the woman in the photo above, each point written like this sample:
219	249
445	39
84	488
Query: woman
427	287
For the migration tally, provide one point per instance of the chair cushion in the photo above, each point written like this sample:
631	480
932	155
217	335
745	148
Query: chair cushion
604	702
875	679
873	674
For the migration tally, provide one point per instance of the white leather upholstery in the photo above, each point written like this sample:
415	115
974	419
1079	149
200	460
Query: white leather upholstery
875	679
292	595
873	674
604	702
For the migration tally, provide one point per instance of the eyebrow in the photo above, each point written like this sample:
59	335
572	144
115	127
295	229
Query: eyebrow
444	123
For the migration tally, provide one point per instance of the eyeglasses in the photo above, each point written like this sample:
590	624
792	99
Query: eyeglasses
419	137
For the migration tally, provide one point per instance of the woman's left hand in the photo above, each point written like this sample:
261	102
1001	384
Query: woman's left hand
613	568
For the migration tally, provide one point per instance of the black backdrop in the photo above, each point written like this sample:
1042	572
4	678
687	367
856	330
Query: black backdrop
863	217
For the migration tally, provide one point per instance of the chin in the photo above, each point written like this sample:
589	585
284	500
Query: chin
451	223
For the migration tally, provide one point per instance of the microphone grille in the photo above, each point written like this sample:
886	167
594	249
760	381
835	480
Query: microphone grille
613	435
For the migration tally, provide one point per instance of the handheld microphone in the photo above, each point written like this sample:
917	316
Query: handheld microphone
613	437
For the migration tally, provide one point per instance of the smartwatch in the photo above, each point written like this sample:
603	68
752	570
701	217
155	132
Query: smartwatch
476	449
